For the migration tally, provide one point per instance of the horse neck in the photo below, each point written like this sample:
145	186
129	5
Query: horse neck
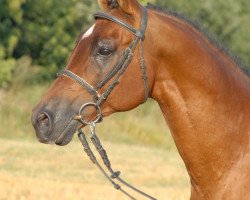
204	98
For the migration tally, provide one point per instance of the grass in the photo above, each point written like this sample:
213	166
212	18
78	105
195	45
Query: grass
15	111
29	170
138	142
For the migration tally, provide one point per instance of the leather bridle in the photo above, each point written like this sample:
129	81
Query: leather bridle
115	72
98	99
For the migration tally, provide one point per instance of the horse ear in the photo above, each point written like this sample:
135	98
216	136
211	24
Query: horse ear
108	4
128	6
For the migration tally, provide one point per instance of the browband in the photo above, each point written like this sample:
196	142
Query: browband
138	33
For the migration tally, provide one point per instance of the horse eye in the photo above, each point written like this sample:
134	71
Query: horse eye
105	52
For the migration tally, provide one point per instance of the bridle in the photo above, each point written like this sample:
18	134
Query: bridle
98	99
115	72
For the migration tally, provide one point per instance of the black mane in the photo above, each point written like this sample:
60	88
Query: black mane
197	25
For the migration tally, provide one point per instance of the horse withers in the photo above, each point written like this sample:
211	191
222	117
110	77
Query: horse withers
203	94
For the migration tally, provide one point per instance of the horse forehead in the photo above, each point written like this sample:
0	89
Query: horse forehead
88	32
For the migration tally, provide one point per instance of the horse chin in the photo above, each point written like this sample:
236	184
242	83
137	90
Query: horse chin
65	140
67	134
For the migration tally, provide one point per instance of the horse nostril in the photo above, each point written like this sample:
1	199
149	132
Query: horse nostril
43	123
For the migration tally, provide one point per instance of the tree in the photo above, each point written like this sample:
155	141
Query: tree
10	19
49	30
44	30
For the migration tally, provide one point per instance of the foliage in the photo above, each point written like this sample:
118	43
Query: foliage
227	20
6	71
45	30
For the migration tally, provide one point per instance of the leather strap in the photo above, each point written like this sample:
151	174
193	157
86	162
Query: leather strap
80	81
115	69
140	35
137	33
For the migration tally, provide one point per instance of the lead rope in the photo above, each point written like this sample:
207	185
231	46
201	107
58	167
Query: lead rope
114	174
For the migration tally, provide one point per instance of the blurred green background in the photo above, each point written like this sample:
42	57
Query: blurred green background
45	31
36	39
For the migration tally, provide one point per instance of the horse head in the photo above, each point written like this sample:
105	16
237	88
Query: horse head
107	61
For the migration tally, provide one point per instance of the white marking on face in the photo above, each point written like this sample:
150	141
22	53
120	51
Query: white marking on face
88	32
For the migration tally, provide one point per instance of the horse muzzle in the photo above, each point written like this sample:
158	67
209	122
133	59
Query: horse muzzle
54	126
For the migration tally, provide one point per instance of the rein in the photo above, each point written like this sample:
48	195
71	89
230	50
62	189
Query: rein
114	175
98	99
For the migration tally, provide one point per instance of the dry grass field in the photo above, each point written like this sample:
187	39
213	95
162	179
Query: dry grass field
138	143
29	171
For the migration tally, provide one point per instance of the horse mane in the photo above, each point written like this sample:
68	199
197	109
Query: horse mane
197	25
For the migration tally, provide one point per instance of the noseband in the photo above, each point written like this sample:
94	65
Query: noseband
98	99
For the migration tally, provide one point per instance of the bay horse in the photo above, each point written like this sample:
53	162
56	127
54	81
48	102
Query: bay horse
203	94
